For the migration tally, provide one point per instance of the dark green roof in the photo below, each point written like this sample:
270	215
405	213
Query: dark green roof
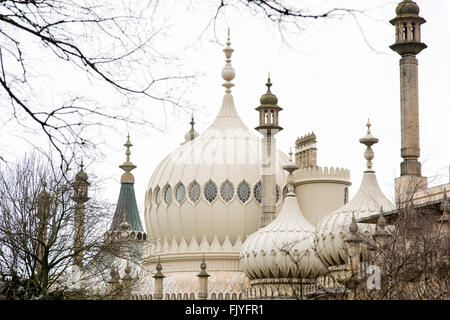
127	203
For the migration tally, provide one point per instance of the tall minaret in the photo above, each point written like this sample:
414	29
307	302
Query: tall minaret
80	196
407	43
268	127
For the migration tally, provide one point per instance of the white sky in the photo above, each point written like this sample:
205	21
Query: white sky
330	81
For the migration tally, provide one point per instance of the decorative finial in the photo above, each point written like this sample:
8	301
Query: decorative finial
192	121
127	166
203	272
290	154
368	140
158	274
124	225
228	72
353	226
268	84
381	222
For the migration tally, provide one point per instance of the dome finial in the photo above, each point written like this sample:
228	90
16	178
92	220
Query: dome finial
127	166
228	72
191	134
368	140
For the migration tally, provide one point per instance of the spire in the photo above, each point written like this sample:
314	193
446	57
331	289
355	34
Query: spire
127	166
126	205
368	140
228	72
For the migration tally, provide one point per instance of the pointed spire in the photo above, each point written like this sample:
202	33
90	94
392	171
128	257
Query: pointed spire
228	72
127	166
368	140
290	154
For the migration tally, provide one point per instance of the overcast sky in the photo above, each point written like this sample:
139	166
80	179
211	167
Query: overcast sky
328	79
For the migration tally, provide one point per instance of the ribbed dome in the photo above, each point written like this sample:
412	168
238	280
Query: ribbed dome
407	7
333	228
226	152
369	200
210	186
284	248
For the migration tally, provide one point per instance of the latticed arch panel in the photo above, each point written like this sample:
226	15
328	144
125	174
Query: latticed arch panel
227	191
210	191
194	191
243	191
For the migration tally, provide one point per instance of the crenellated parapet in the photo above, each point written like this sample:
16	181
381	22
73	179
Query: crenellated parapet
306	151
321	190
323	174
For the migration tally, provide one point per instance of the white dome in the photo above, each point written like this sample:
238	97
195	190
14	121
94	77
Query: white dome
369	200
227	154
284	248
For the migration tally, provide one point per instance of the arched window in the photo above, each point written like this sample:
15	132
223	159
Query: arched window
243	191
257	192
227	191
168	194
158	195
194	192
180	193
346	195
285	191
405	32
210	191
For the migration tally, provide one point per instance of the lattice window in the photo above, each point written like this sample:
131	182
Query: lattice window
210	191
227	191
194	192
243	192
277	194
168	194
257	192
158	195
285	191
180	193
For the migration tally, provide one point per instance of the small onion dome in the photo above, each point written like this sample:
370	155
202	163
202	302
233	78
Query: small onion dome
407	7
369	200
285	247
268	98
191	134
81	175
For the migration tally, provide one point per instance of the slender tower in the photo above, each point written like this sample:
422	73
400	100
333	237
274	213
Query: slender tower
408	44
80	196
268	127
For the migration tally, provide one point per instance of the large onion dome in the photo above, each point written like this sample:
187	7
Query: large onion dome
369	200
285	247
211	185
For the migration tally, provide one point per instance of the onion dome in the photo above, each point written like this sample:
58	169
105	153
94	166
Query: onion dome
126	208
211	186
369	200
268	98
285	247
81	175
407	7
191	134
